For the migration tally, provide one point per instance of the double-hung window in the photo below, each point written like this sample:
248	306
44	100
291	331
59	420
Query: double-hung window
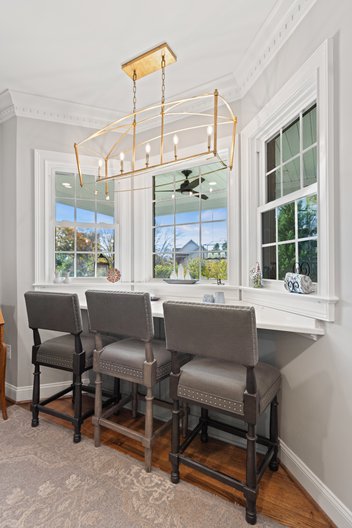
85	227
287	190
190	222
289	215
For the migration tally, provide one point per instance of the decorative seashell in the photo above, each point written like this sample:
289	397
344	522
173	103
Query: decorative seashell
114	275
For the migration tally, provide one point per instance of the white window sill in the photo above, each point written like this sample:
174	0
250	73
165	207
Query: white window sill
310	305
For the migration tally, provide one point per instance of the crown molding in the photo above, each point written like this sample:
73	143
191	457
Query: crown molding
276	30
273	34
20	104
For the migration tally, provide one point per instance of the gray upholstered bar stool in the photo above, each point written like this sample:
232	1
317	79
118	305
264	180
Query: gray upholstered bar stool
224	376
72	352
138	358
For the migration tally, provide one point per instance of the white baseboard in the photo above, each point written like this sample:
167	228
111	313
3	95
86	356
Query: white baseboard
19	394
327	500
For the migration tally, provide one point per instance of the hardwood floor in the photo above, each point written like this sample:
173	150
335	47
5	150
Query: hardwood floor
280	497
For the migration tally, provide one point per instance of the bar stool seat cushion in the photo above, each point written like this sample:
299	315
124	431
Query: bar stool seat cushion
127	357
58	352
221	384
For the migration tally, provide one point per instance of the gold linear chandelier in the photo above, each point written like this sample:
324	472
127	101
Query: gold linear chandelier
148	139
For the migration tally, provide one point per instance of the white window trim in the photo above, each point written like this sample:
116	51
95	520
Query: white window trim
46	163
313	81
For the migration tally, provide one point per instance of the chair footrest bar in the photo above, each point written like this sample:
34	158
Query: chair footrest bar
57	414
112	410
225	479
238	432
191	436
88	413
120	429
162	428
264	463
56	396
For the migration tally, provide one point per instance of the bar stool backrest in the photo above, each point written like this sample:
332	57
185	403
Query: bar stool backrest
216	331
127	314
54	311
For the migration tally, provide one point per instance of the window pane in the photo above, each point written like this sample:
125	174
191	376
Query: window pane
87	191
85	239
307	253
290	140
85	265
287	259
215	269
65	210
85	211
64	239
192	264
104	262
187	208
268	227
106	240
101	188
273	185
310	167
286	222
163	265
214	237
164	212
64	263
269	262
214	192
215	208
309	127
291	180
273	153
164	186
187	238
105	212
308	217
64	185
163	240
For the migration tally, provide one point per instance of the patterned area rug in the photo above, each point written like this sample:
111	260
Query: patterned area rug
47	481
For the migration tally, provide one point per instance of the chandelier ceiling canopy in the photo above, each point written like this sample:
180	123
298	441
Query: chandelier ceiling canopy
150	138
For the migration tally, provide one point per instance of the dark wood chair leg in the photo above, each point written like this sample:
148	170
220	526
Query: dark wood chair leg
251	476
274	433
36	396
185	409
204	420
134	400
73	391
175	442
77	389
117	391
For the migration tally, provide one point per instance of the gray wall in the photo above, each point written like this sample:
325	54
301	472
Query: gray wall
8	216
316	409
21	136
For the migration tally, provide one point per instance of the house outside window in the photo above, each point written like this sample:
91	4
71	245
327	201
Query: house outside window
190	222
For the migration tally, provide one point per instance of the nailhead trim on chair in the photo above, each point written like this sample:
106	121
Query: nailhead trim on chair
56	361
107	366
209	399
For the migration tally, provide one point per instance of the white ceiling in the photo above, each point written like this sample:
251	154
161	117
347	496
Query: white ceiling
72	50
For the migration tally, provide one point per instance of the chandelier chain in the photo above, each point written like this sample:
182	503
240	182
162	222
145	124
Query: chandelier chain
134	92
163	64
